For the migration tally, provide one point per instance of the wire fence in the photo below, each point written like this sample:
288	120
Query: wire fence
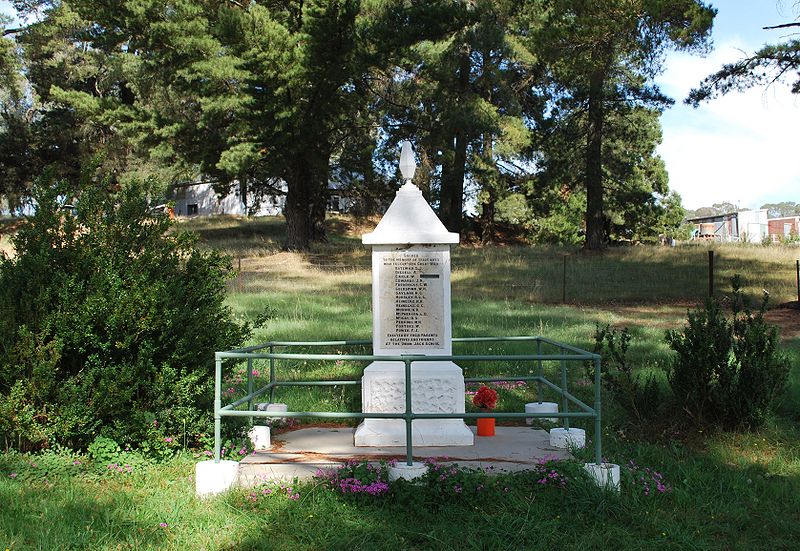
578	278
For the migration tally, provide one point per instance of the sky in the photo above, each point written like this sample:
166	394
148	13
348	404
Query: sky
741	148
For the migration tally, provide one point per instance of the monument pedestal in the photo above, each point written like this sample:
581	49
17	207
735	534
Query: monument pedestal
436	387
411	316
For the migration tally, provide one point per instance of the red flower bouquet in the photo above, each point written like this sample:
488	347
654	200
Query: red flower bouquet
485	398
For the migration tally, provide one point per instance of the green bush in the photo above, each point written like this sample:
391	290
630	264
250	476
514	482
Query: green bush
727	371
109	322
639	396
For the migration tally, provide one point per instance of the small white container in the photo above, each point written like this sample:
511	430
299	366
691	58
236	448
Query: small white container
211	478
606	475
543	407
260	437
567	438
407	472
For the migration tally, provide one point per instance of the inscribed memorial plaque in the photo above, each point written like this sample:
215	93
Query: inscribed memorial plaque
412	299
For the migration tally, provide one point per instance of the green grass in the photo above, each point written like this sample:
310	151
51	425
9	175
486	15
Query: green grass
724	498
729	491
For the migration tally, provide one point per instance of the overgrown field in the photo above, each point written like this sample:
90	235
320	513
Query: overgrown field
720	490
638	274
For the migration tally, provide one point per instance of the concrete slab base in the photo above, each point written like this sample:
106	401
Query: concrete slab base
544	407
567	438
300	453
214	478
605	474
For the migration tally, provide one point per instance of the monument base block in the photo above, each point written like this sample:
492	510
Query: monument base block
436	387
424	432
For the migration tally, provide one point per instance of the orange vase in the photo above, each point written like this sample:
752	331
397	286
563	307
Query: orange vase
486	426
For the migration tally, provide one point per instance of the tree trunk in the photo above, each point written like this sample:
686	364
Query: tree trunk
452	193
489	193
595	228
305	205
487	214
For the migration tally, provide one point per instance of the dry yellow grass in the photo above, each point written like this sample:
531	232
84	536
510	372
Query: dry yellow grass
6	248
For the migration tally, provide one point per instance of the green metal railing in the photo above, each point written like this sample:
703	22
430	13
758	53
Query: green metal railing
266	351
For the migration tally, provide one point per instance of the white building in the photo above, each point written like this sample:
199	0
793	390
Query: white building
753	227
201	200
747	226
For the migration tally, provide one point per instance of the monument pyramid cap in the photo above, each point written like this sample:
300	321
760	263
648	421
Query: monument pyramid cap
409	220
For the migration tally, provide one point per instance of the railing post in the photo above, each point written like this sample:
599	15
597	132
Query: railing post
409	436
564	401
217	407
598	456
271	375
250	386
711	274
541	371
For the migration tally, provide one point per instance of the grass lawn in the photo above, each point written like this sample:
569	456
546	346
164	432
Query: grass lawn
725	491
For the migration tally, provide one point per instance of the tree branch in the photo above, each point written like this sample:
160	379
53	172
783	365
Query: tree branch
783	26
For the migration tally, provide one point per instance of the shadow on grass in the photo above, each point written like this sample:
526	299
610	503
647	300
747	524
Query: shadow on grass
713	505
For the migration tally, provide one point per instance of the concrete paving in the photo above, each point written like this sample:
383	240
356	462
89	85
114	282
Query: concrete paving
299	453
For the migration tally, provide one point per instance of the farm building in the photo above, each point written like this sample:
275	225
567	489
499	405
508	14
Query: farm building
200	199
783	228
746	226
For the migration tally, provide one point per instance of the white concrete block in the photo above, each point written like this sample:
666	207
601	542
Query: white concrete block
605	474
544	407
567	438
212	478
266	406
407	472
260	437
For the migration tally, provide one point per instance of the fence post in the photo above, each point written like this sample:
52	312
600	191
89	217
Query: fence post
250	386
710	273
217	407
271	374
564	282
564	401
409	436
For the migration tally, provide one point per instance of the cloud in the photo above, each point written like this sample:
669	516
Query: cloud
740	147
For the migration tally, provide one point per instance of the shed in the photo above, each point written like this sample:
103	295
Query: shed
783	227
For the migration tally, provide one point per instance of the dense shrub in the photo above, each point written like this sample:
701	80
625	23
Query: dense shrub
108	321
727	371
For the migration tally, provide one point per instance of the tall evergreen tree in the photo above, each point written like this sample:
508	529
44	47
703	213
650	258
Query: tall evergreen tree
770	64
602	57
458	99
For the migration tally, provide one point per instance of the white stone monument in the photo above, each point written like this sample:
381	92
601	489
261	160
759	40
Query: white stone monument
411	315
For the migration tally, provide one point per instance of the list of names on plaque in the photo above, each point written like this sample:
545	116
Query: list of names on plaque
412	299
